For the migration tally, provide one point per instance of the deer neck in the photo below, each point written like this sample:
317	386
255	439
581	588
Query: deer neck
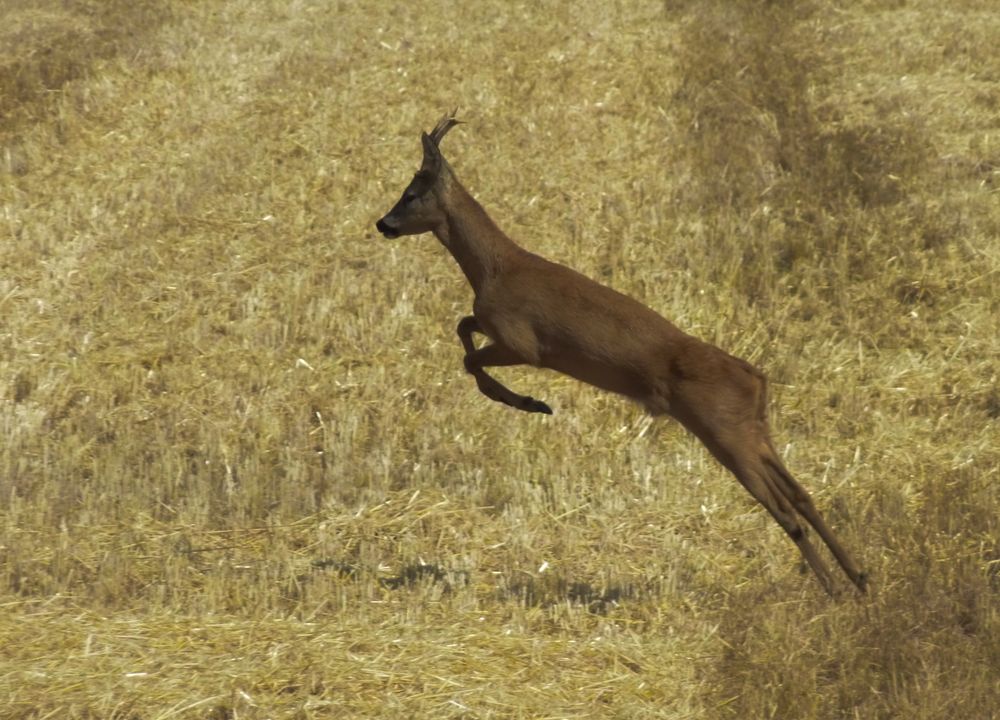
474	240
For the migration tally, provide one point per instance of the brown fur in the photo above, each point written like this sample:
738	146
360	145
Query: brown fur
543	314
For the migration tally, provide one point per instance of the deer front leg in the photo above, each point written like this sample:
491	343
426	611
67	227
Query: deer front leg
467	326
495	355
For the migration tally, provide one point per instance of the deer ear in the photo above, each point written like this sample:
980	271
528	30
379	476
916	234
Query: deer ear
432	155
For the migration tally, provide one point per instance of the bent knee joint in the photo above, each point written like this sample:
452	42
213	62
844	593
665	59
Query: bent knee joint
466	326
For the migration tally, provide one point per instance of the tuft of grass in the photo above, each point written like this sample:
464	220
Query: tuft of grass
45	45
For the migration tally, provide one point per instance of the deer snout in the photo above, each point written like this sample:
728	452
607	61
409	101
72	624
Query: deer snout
383	227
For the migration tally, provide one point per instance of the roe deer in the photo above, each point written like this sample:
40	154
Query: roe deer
543	314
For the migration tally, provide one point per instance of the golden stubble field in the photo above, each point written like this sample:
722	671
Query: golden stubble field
243	475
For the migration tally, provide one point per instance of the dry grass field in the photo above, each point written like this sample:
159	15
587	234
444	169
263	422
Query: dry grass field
242	471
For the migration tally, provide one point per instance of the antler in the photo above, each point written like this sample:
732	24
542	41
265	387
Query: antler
446	123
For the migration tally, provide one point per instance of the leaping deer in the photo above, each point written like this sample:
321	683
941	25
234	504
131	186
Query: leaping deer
543	314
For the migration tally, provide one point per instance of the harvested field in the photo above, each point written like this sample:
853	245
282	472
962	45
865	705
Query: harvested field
244	475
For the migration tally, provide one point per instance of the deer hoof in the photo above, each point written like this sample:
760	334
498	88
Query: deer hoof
532	405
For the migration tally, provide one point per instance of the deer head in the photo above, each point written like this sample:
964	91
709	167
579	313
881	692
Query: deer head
420	210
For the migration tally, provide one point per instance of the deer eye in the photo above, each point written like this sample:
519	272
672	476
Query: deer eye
408	198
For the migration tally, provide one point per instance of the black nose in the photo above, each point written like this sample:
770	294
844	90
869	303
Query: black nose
386	229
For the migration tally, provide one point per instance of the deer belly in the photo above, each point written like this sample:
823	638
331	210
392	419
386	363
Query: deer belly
599	373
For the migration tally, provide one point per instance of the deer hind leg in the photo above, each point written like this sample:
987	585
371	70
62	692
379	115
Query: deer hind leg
800	499
735	445
750	456
494	355
759	483
793	492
